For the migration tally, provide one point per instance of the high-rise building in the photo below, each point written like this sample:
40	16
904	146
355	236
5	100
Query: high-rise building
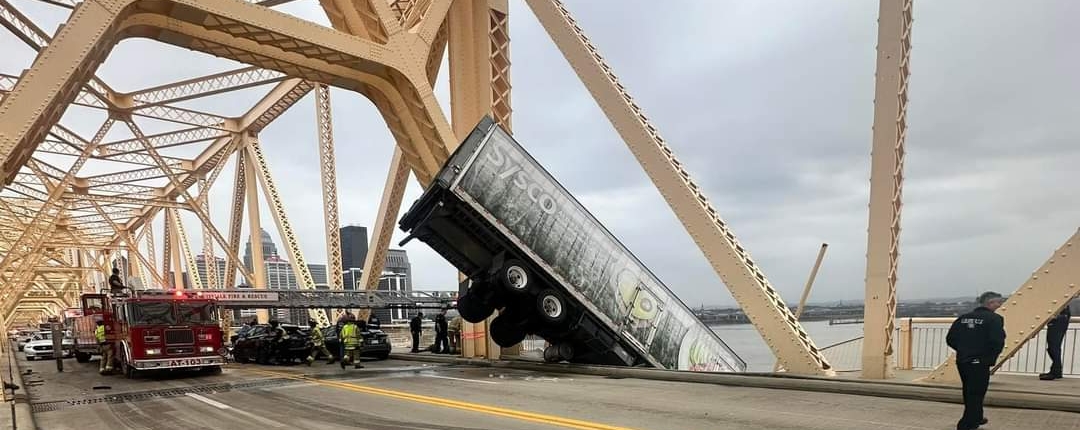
268	248
354	246
318	274
204	274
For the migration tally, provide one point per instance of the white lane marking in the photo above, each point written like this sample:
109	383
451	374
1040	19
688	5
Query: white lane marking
223	406
210	402
461	379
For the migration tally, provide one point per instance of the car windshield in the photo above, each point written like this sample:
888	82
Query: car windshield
152	313
43	335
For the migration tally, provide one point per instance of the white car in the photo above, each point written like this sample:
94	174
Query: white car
41	346
23	336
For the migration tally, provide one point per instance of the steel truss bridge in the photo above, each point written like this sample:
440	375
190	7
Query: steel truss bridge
246	298
74	203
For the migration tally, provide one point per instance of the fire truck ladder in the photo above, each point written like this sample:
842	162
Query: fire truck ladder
329	299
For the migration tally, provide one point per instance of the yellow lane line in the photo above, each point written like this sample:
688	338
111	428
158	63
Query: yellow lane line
438	401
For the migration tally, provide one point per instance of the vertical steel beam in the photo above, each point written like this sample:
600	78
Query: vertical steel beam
478	47
174	252
255	228
236	221
292	245
328	167
166	252
189	257
886	185
207	238
151	253
746	281
1031	306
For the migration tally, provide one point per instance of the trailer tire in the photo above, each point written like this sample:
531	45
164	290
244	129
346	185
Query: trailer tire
507	330
551	307
473	307
515	276
82	357
551	354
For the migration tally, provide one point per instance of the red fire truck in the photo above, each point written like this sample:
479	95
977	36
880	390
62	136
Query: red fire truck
152	330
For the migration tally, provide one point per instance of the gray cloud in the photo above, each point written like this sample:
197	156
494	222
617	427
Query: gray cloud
770	105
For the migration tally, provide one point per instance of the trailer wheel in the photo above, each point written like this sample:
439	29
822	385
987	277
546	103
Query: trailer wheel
551	354
551	306
514	276
507	330
566	351
474	306
82	357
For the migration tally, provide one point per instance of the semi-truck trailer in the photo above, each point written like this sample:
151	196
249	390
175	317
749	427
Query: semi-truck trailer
535	254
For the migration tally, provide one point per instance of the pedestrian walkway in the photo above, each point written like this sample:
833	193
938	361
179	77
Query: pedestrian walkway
17	417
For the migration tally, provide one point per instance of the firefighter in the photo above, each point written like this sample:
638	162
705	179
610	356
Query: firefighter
278	339
415	326
116	285
105	347
978	338
318	344
454	333
350	341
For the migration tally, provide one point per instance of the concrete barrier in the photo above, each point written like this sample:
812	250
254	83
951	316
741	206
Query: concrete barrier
899	390
24	419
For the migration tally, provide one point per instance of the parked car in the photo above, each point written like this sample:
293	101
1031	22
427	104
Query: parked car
376	343
258	345
41	346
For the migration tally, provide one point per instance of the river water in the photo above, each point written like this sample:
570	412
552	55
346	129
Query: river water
746	341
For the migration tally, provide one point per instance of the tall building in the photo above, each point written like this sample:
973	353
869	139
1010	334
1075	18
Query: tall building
268	248
201	267
318	274
354	246
397	261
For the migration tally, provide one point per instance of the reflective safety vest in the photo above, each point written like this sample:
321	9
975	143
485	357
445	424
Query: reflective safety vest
350	335
99	334
317	337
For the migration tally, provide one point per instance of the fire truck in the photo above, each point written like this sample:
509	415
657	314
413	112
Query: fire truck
152	330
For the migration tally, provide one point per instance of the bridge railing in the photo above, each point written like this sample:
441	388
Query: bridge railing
919	344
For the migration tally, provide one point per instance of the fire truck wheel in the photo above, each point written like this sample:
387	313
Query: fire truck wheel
82	357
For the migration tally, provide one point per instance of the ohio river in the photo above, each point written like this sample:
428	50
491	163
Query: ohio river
746	341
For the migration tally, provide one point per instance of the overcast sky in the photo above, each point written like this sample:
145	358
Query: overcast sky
768	103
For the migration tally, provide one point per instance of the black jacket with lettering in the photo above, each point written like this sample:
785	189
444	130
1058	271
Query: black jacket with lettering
979	334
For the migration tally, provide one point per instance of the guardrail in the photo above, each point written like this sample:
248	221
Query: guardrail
920	345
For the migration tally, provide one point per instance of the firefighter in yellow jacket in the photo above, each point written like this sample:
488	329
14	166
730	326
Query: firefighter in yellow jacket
318	344
105	347
350	339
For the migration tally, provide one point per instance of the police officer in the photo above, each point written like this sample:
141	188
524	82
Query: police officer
318	344
105	347
1056	329
441	342
415	326
978	338
350	340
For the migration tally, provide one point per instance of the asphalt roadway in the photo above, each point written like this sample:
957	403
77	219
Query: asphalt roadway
408	395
